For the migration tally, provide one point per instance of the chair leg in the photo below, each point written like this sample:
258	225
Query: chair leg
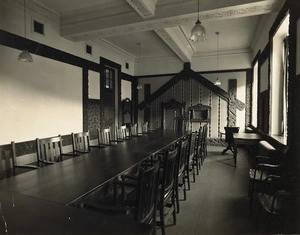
187	172
174	212
177	198
184	188
162	219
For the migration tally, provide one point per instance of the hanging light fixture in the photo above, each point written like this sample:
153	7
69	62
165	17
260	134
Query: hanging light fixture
25	56
198	31
217	82
139	86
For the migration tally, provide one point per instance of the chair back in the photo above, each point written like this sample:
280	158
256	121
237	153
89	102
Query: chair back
169	163
145	127
104	137
182	156
133	130
6	163
191	146
229	133
49	150
81	142
121	133
147	194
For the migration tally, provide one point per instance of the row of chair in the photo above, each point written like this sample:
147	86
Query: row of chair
156	185
50	150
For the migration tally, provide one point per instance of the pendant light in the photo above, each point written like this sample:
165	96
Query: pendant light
198	31
25	56
217	82
139	86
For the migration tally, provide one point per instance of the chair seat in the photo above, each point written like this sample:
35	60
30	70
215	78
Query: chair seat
266	203
260	175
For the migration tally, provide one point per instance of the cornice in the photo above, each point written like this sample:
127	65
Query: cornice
111	48
145	8
224	52
257	8
37	8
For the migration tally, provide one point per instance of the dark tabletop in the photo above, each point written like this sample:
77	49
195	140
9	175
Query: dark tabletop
69	180
21	214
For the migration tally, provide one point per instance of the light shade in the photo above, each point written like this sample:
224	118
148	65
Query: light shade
25	56
139	86
198	32
217	82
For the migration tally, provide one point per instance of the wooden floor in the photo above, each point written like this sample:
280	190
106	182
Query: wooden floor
218	201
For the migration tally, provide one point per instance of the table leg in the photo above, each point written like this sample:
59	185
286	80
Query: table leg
235	152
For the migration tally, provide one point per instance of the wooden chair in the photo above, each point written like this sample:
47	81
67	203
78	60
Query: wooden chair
80	143
8	162
134	130
145	127
121	133
49	150
190	166
275	202
229	138
142	201
261	171
198	155
166	199
204	143
180	179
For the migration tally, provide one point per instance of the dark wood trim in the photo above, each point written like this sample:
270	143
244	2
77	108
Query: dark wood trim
222	71
265	54
94	101
257	56
127	77
155	75
110	63
85	97
21	43
163	89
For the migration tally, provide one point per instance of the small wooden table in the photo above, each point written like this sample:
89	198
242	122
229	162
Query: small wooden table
248	139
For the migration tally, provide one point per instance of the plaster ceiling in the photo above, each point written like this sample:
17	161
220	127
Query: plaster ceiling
162	26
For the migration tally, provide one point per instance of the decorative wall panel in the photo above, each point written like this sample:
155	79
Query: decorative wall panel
232	86
94	117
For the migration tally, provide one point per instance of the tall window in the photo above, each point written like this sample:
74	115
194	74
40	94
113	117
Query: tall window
109	75
279	80
254	95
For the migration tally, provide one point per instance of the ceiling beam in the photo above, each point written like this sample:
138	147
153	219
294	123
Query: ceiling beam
96	25
145	8
177	42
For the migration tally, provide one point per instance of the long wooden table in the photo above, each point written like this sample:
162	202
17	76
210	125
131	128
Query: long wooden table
20	214
67	181
244	139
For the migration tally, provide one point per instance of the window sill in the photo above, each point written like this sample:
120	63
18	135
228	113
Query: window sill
280	139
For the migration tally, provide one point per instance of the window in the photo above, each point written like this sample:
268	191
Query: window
254	95
109	78
38	27
279	81
88	49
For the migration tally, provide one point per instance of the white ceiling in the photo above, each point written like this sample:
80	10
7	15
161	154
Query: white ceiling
162	26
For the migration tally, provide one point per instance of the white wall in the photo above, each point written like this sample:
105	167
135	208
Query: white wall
40	99
232	61
150	67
